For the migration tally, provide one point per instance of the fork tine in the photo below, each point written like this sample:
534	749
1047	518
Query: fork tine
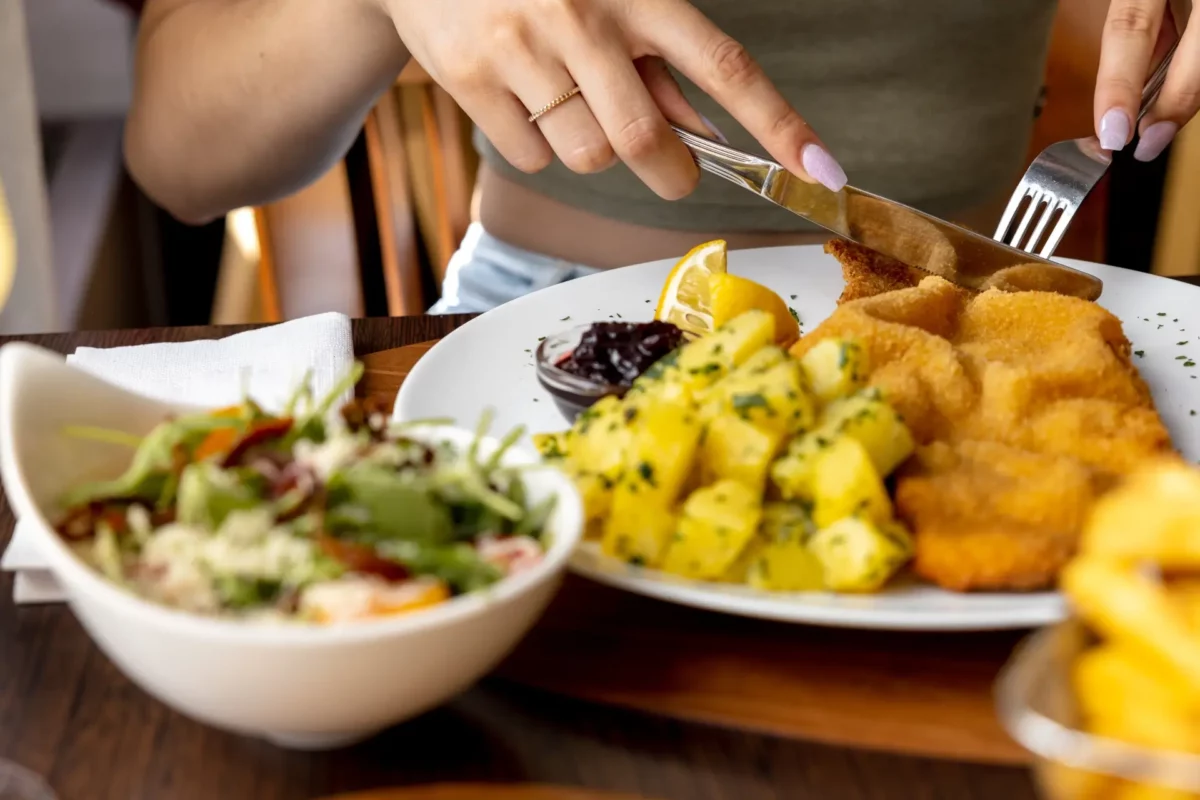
1060	228
1052	203
1014	203
1035	200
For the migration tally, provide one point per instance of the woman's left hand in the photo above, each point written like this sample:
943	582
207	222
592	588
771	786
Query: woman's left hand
1137	34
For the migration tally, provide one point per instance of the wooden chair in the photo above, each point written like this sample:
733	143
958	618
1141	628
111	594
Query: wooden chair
420	170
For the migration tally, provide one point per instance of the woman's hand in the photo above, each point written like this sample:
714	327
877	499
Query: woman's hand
1137	34
502	60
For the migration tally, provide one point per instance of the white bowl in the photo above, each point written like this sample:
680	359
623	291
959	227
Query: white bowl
299	686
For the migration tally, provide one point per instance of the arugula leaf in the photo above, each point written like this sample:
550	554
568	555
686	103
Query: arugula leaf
153	461
209	494
458	565
392	505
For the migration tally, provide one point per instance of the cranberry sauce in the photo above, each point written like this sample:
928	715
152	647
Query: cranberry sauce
617	352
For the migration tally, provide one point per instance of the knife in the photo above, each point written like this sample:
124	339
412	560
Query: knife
918	239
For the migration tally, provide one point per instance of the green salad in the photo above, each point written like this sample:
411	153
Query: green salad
312	514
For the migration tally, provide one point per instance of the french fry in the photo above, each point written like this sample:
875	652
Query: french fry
1130	609
1154	517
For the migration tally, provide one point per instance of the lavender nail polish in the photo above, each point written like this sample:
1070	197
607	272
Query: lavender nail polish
823	167
1114	129
1154	140
714	130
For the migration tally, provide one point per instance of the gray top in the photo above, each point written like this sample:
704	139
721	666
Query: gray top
929	102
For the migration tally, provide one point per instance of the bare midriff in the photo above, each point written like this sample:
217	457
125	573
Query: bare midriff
524	218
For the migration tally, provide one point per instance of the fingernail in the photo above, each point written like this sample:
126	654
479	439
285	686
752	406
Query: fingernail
1114	129
714	130
823	167
1154	140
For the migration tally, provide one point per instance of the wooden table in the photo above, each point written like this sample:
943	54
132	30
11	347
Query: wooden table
68	714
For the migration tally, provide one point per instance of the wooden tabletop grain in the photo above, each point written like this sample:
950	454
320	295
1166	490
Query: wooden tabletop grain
69	715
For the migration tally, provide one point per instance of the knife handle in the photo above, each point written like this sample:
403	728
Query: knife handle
746	170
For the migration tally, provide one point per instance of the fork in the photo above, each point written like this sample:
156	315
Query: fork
1058	181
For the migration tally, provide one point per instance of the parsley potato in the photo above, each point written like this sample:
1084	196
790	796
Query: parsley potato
834	368
865	416
717	522
859	555
730	460
845	484
736	450
774	399
686	373
785	563
636	532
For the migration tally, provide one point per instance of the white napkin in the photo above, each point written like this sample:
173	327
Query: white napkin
266	363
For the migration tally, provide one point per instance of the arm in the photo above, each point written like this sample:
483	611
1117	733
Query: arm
238	102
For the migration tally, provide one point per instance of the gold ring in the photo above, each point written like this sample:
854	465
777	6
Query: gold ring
553	104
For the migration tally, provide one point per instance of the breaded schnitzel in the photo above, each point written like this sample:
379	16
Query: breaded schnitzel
868	273
1025	405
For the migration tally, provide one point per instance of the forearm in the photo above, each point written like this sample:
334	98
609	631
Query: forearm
239	102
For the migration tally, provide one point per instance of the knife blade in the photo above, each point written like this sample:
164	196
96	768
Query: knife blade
918	239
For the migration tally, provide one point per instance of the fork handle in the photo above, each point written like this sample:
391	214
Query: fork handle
1155	83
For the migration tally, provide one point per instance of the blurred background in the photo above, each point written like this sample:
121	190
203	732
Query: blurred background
373	236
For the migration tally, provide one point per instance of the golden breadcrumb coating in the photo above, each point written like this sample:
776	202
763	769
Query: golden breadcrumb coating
1025	407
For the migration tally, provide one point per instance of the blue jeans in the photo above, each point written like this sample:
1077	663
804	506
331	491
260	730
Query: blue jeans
486	272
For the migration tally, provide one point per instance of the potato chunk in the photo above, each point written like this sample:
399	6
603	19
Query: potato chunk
794	473
729	345
596	493
637	532
834	368
784	563
600	438
692	368
736	450
846	484
859	555
772	400
663	442
867	417
717	523
553	446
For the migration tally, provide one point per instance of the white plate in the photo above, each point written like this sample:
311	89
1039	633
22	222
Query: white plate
489	362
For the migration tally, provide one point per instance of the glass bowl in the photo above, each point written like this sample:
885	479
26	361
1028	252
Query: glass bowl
18	783
1036	705
572	394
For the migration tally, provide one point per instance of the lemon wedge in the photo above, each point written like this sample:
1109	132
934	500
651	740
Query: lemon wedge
685	300
731	296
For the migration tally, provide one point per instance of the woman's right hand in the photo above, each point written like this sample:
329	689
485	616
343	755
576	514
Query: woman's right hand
502	60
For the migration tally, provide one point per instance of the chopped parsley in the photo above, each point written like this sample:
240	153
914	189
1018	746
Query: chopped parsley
745	403
1139	353
646	470
795	316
